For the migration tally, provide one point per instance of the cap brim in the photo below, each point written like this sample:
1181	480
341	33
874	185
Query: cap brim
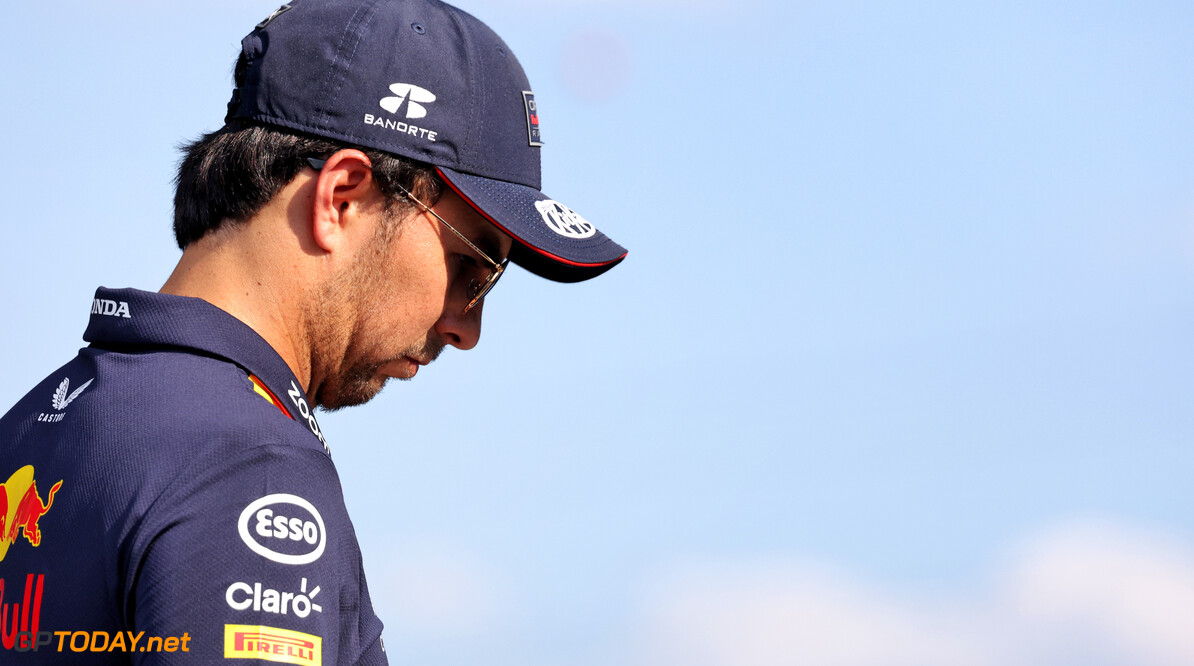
550	240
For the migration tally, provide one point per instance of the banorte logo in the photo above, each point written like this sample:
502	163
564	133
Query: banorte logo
407	101
414	96
21	508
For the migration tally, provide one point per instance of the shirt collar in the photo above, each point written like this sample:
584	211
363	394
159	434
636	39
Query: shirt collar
141	318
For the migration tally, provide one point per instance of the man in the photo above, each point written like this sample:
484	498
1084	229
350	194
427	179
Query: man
168	495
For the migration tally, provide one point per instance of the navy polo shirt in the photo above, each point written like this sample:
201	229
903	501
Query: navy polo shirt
168	497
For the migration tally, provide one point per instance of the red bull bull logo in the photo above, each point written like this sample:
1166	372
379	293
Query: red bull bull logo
21	508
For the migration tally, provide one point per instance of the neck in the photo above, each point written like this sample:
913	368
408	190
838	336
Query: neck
225	269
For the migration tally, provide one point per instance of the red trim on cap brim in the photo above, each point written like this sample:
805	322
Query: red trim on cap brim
497	224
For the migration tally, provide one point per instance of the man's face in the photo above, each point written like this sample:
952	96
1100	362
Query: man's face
401	302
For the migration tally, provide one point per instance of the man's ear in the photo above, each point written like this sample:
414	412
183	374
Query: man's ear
344	187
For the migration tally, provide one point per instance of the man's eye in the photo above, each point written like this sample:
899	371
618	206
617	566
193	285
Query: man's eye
469	261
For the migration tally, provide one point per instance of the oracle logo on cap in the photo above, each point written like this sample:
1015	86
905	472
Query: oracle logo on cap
563	220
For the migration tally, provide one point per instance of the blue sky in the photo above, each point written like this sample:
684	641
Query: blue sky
897	371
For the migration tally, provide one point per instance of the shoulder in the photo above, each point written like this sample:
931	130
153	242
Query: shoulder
134	428
196	402
254	541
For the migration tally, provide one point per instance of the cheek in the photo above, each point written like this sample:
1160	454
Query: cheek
417	289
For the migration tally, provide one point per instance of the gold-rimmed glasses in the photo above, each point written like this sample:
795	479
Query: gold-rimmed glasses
477	288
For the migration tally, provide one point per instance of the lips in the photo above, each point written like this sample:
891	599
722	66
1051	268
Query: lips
415	365
407	365
401	368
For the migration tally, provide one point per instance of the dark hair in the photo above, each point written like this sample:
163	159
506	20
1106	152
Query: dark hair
227	176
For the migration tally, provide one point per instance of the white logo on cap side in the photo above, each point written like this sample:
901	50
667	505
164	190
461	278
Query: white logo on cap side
563	220
406	91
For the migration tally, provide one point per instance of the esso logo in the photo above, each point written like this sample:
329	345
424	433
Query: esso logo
563	220
283	528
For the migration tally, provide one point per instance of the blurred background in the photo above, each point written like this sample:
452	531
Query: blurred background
898	370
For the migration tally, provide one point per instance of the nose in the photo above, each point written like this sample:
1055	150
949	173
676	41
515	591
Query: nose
461	330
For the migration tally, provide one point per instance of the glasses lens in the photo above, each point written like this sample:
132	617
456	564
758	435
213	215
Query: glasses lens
478	290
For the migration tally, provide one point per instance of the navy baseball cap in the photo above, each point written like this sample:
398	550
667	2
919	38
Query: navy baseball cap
423	80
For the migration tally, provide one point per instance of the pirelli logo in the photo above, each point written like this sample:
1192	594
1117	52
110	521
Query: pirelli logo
247	641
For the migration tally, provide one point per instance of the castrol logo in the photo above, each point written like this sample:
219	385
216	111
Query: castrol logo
283	528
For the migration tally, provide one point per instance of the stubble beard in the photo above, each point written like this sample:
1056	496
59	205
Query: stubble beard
335	322
362	380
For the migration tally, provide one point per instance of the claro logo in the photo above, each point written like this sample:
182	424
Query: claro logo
282	528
